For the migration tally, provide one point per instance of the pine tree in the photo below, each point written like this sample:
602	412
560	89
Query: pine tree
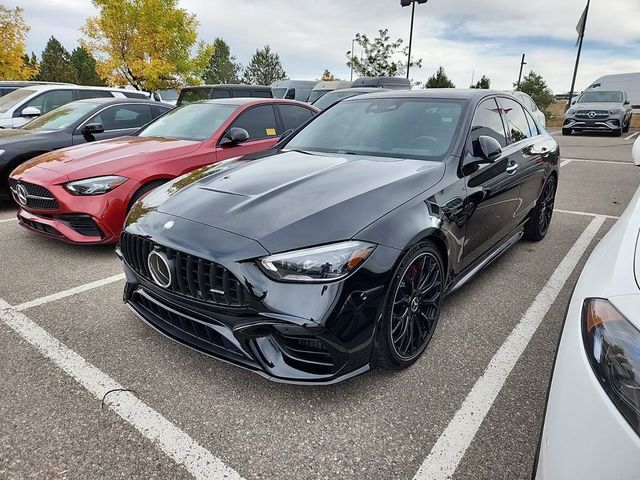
484	82
264	68
55	64
439	80
85	68
222	66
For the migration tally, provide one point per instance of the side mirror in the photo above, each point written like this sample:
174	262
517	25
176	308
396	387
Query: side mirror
31	112
573	102
627	102
234	136
635	153
488	149
92	128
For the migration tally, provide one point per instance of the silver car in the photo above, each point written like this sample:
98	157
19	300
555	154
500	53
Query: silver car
599	111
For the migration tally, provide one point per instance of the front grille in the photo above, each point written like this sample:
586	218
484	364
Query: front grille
40	227
305	353
82	224
599	114
192	277
163	317
38	197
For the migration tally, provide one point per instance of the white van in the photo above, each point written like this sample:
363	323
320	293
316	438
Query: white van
626	82
24	104
325	87
293	89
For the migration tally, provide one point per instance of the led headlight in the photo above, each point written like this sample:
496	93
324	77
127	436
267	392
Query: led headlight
571	111
317	264
615	111
96	185
613	349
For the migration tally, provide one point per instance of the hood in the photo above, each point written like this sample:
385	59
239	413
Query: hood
13	135
109	156
292	200
597	106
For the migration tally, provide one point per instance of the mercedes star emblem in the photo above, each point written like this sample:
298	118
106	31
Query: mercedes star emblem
160	268
21	193
592	114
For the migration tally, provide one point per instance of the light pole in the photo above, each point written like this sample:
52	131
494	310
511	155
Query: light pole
522	64
353	46
406	3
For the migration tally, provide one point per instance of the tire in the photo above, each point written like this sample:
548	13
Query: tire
618	132
416	291
567	131
626	127
143	190
537	226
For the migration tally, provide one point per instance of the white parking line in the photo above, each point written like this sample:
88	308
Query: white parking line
586	214
567	160
564	162
555	133
5	220
67	293
446	454
179	446
632	136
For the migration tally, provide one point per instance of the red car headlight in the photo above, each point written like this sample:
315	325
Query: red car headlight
613	349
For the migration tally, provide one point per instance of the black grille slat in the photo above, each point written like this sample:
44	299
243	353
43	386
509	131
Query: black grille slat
195	277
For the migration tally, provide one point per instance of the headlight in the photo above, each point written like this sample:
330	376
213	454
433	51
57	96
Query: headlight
95	186
613	349
616	111
317	264
571	111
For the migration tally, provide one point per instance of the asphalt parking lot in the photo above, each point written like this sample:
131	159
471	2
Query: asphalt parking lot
470	408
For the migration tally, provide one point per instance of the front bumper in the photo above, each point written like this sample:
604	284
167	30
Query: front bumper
290	333
597	125
584	435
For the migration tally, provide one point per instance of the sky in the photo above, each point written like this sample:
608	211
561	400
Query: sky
469	38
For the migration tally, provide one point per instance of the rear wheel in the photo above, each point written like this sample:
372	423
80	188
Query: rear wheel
412	307
567	131
537	226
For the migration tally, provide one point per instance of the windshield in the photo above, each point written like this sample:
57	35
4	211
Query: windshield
10	99
316	94
61	117
169	94
419	128
197	121
331	98
594	97
279	92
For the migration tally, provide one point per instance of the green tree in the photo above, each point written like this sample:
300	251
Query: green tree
222	66
380	57
148	44
327	76
484	82
439	80
264	68
32	64
85	68
536	87
55	63
13	32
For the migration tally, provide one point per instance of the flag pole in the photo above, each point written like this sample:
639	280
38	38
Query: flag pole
583	20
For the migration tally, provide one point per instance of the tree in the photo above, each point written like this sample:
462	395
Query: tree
13	31
484	82
32	64
264	68
439	80
379	57
145	43
84	66
222	66
55	63
536	87
327	76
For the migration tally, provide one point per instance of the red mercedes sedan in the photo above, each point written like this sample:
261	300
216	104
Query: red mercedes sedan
82	194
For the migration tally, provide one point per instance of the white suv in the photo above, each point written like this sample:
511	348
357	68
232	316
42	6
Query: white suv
24	104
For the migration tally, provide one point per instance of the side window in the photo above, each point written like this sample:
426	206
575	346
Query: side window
51	100
487	121
262	93
516	120
291	94
220	94
123	117
241	92
294	116
259	121
157	110
139	95
82	94
533	128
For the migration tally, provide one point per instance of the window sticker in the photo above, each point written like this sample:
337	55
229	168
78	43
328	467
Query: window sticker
271	132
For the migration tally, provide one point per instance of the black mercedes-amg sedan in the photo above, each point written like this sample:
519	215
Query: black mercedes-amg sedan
72	124
331	253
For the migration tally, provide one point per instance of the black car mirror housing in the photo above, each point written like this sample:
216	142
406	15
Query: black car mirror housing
92	128
234	136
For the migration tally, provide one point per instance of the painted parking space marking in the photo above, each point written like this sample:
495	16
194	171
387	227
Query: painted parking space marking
586	214
633	135
445	456
568	160
565	162
67	293
174	442
6	220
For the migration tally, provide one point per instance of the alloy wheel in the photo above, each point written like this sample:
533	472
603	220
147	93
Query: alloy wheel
547	201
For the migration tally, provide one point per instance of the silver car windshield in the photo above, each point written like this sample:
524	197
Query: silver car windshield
10	99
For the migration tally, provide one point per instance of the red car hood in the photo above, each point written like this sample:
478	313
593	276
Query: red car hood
108	156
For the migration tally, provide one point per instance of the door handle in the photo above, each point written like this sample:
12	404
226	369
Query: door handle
512	167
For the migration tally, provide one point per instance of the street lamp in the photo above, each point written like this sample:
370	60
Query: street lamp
406	3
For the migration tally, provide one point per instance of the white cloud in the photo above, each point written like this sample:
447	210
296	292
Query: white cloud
487	36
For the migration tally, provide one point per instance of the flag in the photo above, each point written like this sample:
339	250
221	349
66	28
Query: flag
582	23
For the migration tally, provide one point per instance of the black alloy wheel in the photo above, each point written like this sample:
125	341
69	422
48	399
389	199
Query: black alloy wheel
413	307
538	224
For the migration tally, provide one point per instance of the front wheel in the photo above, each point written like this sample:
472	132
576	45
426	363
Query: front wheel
538	224
567	131
412	307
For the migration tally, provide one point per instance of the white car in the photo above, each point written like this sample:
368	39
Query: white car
24	104
528	102
592	423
